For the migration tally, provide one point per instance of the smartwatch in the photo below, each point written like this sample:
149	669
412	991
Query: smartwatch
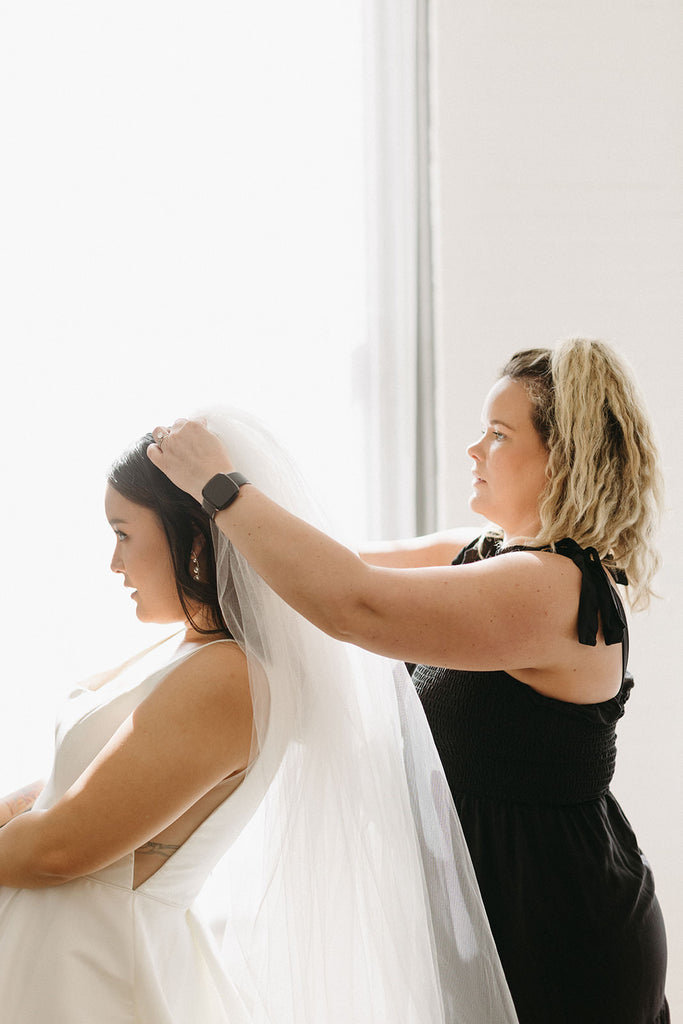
221	491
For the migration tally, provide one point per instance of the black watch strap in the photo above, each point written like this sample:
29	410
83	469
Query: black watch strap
221	491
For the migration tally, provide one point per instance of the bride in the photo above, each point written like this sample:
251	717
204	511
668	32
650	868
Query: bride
299	771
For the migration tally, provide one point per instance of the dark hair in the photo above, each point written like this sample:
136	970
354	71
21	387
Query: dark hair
134	476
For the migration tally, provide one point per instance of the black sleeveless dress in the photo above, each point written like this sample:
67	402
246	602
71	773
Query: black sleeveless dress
569	895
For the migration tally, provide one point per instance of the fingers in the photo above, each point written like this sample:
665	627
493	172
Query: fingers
189	454
160	434
154	454
155	451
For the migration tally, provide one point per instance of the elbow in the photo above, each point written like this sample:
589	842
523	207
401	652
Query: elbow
55	866
351	622
337	625
353	614
47	867
35	860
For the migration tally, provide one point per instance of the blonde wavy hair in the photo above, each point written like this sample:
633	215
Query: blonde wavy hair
604	487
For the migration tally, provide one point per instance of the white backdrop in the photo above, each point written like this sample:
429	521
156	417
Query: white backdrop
181	223
558	161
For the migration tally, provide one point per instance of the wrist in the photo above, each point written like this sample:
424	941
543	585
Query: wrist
221	490
202	475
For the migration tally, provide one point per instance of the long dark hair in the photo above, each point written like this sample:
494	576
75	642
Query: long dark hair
136	478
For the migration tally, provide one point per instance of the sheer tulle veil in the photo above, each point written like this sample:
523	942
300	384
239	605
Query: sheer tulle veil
348	895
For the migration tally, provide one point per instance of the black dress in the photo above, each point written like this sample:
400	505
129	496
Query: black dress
569	895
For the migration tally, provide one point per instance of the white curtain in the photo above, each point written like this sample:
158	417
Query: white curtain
399	360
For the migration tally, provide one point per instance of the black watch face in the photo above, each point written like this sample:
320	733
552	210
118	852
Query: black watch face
220	491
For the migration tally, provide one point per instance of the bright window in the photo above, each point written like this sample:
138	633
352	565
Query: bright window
181	225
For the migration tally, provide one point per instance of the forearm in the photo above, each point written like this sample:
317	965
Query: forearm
25	862
419	552
20	801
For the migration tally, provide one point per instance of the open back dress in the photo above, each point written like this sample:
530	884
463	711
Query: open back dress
95	950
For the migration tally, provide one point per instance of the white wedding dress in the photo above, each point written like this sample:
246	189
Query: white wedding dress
345	893
95	950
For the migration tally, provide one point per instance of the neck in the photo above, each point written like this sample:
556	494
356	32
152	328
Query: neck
202	619
527	530
193	636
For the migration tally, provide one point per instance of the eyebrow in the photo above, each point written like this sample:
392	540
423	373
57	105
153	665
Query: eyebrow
118	522
501	423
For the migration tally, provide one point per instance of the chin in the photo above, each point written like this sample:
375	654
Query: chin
144	616
477	504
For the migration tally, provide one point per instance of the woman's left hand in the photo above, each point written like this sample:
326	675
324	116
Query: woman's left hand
189	454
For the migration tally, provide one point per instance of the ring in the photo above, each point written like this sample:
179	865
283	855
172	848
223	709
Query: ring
160	438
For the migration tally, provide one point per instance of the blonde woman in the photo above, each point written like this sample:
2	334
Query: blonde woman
521	648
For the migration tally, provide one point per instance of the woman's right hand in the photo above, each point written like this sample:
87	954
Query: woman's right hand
189	454
20	801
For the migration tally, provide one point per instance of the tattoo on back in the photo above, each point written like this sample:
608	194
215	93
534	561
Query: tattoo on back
160	849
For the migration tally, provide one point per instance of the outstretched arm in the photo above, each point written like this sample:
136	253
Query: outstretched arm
503	613
188	735
419	552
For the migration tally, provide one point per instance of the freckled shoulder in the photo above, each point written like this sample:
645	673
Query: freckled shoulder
542	587
549	571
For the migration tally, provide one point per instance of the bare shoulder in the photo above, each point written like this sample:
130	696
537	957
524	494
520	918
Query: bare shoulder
530	568
518	610
218	655
563	667
214	659
212	679
538	583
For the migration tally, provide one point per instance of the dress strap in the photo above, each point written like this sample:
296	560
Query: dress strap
597	596
598	601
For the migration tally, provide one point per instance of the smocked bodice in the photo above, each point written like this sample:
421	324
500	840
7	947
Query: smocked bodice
497	737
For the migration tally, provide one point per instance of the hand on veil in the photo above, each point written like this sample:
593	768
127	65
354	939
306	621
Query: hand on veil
189	454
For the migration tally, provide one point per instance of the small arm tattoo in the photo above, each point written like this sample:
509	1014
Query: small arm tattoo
160	849
23	799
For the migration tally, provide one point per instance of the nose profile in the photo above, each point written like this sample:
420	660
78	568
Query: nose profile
473	450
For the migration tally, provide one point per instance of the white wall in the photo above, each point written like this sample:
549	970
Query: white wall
558	160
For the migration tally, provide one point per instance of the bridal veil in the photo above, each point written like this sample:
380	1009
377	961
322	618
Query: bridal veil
347	895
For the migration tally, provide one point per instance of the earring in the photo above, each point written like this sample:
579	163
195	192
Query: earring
194	561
